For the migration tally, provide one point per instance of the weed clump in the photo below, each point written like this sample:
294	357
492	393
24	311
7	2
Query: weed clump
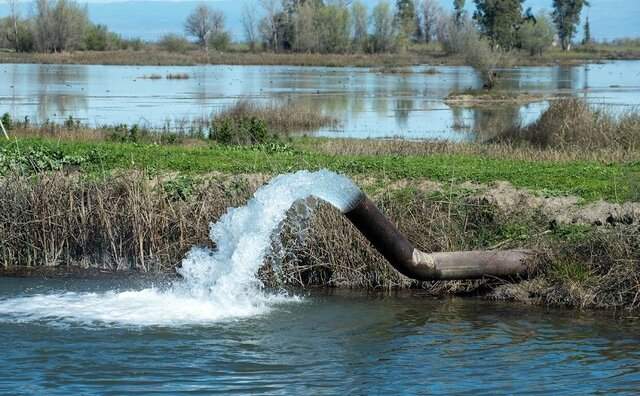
239	130
574	123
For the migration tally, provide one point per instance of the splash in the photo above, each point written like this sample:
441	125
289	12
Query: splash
217	284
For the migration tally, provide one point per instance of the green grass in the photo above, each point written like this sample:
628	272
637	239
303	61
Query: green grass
589	180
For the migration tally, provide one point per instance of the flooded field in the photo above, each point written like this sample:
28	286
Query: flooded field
367	102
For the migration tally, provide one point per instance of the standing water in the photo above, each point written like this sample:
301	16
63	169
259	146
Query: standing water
217	284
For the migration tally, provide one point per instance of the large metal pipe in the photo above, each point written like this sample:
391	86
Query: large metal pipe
395	247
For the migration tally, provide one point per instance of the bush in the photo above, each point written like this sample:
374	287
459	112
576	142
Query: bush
239	131
7	121
99	38
174	43
220	41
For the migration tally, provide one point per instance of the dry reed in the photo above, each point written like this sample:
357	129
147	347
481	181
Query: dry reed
289	117
129	222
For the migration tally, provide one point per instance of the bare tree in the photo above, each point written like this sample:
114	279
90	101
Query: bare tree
432	13
250	26
60	25
360	25
269	24
198	24
14	15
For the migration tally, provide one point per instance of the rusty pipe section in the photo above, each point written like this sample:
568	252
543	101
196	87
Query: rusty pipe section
395	247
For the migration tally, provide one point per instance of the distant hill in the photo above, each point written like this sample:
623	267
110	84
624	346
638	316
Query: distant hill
151	19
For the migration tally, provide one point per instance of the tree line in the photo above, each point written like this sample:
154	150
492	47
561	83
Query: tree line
344	26
319	26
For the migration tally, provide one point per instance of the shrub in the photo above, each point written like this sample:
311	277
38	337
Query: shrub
239	130
7	121
220	41
174	43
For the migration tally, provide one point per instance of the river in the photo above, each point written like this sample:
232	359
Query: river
322	344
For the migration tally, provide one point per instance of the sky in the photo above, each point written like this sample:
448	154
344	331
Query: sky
150	19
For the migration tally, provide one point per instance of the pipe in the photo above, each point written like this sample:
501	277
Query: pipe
394	246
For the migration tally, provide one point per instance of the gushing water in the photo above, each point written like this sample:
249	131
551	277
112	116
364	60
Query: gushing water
217	284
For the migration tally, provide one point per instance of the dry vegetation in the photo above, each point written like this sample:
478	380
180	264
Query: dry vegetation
132	222
278	117
574	124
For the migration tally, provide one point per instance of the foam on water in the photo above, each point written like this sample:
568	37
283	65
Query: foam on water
216	285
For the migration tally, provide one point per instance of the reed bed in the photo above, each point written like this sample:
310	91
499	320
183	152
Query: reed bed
575	124
131	222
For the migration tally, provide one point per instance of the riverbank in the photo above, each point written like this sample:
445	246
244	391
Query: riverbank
123	206
432	55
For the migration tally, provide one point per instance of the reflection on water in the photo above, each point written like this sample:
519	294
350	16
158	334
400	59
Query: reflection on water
367	103
336	343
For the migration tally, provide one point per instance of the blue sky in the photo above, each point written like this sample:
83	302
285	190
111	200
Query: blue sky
150	19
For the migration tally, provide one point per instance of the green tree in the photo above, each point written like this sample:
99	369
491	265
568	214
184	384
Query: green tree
384	33
566	16
406	19
537	34
586	40
499	20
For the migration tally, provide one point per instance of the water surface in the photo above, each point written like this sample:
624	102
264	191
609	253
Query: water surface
325	344
367	103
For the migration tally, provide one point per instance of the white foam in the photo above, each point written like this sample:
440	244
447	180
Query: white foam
216	285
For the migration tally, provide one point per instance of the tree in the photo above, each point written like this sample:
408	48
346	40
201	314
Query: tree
305	25
269	26
431	15
332	27
566	15
499	20
405	17
204	22
14	15
360	26
250	26
384	33
537	35
458	10
59	25
198	24
586	40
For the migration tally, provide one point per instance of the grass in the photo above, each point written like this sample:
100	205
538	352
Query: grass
416	55
589	180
